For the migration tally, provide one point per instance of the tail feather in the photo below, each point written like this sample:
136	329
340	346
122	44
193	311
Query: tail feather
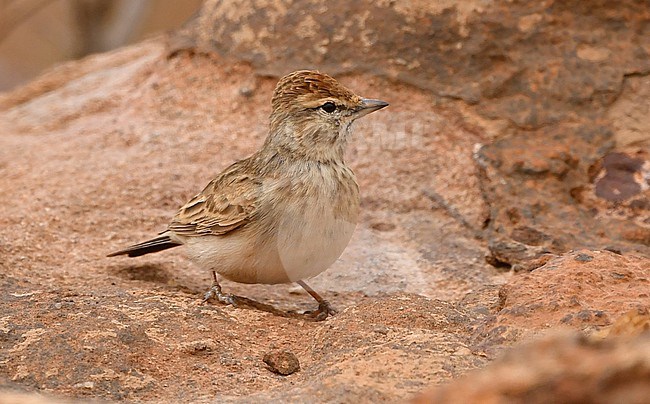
149	246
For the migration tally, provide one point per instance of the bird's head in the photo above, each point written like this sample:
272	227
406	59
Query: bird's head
312	114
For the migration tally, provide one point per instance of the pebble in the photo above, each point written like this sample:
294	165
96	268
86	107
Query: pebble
85	385
583	257
282	362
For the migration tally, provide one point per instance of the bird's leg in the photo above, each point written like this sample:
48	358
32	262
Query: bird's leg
215	291
324	308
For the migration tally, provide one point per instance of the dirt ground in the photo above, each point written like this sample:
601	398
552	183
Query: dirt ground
98	154
80	188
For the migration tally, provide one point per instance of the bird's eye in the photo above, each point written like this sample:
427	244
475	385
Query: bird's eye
328	107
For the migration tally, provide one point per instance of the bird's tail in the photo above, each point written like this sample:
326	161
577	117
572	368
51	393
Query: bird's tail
149	246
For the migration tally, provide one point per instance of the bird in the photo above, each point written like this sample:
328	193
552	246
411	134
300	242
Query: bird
287	212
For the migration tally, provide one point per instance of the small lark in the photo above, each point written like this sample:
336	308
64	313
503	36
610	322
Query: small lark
287	212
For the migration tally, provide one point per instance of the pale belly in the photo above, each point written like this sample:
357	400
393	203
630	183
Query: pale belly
309	242
304	243
297	232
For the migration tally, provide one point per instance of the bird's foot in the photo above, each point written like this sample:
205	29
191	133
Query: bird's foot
216	293
324	310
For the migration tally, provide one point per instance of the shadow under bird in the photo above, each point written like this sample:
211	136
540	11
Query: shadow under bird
288	211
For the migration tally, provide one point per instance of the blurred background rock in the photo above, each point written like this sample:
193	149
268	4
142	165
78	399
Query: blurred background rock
35	34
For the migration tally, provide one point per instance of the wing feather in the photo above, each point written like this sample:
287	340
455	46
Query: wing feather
225	204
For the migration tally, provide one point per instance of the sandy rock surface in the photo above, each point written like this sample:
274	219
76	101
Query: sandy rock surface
567	368
483	224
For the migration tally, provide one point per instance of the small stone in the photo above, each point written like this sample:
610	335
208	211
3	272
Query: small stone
615	250
85	385
382	226
201	366
582	257
200	347
282	362
246	92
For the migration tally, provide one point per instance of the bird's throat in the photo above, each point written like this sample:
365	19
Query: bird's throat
307	143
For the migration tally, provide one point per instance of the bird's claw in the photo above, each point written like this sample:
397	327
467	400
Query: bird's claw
324	310
216	293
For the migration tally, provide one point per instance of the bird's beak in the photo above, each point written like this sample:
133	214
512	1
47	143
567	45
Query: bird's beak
367	106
